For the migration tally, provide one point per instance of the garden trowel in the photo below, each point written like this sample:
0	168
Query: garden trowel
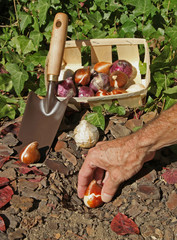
42	117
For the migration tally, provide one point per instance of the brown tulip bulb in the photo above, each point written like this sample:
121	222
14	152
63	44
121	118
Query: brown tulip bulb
117	91
30	153
118	79
102	67
82	76
102	92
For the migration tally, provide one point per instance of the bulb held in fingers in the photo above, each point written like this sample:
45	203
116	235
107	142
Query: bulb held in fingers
92	196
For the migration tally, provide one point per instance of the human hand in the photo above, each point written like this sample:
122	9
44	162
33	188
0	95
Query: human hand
116	161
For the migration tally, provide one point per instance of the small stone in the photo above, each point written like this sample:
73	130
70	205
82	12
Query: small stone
118	131
133	211
147	191
44	208
10	140
69	156
147	175
23	183
5	151
134	124
53	225
117	119
3	236
109	125
62	136
172	201
21	202
16	235
60	145
90	231
147	231
168	235
38	195
159	233
57	235
9	173
30	222
77	200
118	201
14	220
149	116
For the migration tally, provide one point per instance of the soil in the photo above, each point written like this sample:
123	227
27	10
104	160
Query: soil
46	207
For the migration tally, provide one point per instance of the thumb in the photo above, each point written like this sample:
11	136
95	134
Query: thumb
109	189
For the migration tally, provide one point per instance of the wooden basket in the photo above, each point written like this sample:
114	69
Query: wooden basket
102	50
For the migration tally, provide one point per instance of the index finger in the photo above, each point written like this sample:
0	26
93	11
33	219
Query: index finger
85	176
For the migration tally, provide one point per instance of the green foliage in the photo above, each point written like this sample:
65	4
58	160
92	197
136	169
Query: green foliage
97	116
26	30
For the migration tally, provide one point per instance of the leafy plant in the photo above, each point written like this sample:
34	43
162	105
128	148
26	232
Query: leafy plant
98	113
25	32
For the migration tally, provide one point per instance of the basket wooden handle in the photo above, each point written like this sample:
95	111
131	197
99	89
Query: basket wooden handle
57	45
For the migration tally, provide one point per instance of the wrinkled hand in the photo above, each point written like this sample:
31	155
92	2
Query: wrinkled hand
116	161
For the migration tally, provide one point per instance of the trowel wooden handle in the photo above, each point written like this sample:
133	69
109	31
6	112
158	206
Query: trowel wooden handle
57	44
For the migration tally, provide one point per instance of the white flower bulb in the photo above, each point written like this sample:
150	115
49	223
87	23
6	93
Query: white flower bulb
86	135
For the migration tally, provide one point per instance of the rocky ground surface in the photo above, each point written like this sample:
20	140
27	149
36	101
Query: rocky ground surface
45	205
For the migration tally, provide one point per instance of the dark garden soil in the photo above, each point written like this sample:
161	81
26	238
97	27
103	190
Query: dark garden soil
44	204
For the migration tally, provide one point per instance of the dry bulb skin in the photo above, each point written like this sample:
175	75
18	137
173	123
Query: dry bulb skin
92	196
30	153
86	135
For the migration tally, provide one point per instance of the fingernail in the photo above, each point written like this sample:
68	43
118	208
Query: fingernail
106	197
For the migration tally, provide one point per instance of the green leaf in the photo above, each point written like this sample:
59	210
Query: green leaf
169	5
97	109
22	106
25	20
7	111
142	67
169	102
172	90
18	76
96	33
37	37
136	128
22	44
113	5
172	33
117	109
142	7
106	107
36	58
159	78
163	56
3	101
95	19
128	27
43	7
5	82
42	87
148	30
96	119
